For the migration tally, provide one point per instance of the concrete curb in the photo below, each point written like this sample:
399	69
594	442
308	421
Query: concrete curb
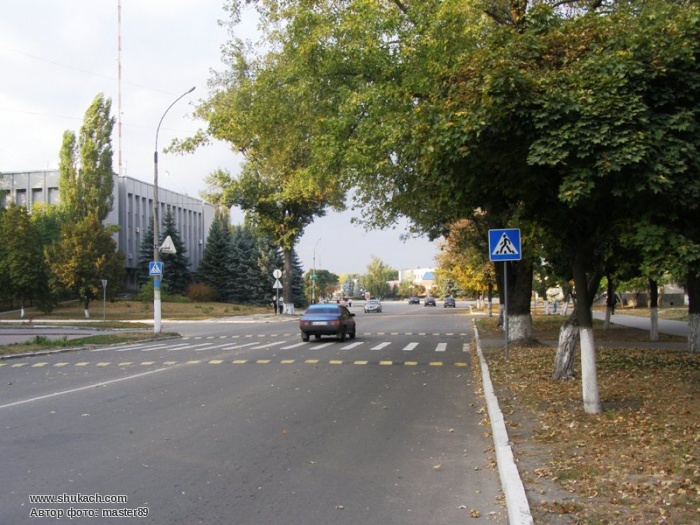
513	488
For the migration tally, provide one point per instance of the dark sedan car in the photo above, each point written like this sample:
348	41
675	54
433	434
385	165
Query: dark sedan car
429	301
327	319
413	300
449	301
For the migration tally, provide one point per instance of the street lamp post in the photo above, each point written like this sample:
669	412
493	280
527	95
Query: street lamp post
156	223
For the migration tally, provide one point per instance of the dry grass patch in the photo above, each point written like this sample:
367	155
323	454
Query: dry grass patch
637	462
136	310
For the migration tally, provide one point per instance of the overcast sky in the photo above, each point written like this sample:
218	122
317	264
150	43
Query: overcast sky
55	56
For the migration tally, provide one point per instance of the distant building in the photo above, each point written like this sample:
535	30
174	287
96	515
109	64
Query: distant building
132	212
421	276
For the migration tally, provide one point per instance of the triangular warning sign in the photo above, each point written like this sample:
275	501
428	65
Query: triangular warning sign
505	246
168	246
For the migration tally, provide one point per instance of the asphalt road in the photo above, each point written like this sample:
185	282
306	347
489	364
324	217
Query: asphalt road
243	423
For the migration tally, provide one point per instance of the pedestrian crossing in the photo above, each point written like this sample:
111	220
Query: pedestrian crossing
291	344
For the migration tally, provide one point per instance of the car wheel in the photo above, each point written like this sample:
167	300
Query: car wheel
341	335
304	336
352	335
317	336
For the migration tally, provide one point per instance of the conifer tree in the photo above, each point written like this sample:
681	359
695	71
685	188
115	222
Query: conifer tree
176	273
212	269
269	259
298	295
145	257
242	267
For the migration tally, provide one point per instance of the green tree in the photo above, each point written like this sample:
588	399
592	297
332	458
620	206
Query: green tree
376	279
323	281
176	272
212	268
22	269
143	275
261	109
86	178
269	260
86	183
85	255
243	266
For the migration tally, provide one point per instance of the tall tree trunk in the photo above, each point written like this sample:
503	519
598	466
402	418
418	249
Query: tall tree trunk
519	298
609	303
287	277
566	350
693	309
654	310
585	290
490	298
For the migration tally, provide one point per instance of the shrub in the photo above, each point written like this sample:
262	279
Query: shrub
201	292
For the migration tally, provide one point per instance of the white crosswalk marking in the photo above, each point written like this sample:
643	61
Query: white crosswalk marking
293	346
380	346
141	347
268	345
174	349
318	347
212	347
441	347
351	345
409	347
234	347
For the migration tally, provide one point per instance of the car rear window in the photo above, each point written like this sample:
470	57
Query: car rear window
322	310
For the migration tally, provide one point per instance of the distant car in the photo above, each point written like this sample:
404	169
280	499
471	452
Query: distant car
413	300
449	301
429	301
327	319
373	306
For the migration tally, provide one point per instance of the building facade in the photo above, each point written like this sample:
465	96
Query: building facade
132	212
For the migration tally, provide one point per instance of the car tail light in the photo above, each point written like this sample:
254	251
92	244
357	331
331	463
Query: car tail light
304	323
334	322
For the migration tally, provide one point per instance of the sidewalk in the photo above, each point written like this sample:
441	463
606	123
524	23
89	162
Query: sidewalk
679	328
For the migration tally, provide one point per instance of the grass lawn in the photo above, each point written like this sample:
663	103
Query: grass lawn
637	462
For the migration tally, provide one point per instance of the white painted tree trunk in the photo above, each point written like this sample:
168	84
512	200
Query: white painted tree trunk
654	334
694	333
289	308
565	307
589	374
21	312
608	313
87	314
566	351
519	327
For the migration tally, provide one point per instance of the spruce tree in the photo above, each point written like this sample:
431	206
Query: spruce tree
213	267
145	257
269	260
298	295
176	273
243	277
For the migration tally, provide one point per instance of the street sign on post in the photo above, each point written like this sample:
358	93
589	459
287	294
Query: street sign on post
155	268
504	245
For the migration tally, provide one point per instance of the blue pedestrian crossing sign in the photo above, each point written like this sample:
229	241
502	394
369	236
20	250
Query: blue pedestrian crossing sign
155	268
504	245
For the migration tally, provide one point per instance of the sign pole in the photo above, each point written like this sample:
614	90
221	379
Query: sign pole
505	297
504	245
